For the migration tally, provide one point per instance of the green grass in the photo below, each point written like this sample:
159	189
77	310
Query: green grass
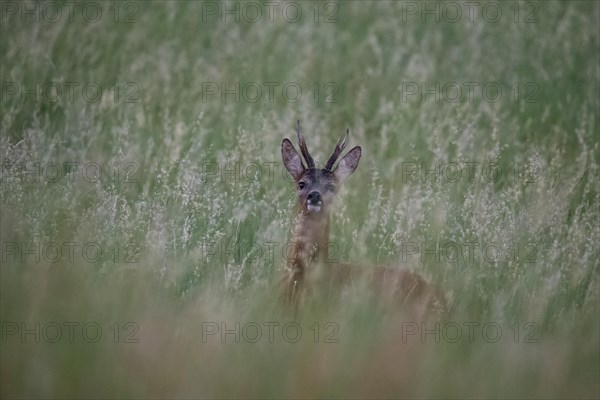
200	242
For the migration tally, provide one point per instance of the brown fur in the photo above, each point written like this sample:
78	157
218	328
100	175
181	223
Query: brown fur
307	266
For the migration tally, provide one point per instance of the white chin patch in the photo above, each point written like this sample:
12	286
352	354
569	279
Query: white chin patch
313	208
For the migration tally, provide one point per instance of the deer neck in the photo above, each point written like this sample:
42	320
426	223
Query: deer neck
311	239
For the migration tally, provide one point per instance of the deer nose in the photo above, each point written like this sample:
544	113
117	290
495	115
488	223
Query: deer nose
314	197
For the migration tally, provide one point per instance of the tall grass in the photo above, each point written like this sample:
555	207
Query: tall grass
187	245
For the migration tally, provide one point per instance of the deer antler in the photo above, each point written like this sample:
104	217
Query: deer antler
310	163
341	145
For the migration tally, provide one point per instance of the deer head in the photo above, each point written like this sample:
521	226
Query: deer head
317	187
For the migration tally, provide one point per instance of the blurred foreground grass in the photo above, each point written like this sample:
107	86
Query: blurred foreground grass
142	220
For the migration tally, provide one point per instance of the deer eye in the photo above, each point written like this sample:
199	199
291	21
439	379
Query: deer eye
301	185
331	187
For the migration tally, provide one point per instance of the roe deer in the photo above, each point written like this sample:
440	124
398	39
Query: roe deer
316	189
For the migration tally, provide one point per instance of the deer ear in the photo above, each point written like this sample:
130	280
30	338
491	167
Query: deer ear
291	159
348	164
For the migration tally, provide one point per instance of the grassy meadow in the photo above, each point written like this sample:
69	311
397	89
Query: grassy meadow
145	208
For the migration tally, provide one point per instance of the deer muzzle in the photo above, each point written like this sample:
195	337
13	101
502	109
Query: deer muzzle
314	202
